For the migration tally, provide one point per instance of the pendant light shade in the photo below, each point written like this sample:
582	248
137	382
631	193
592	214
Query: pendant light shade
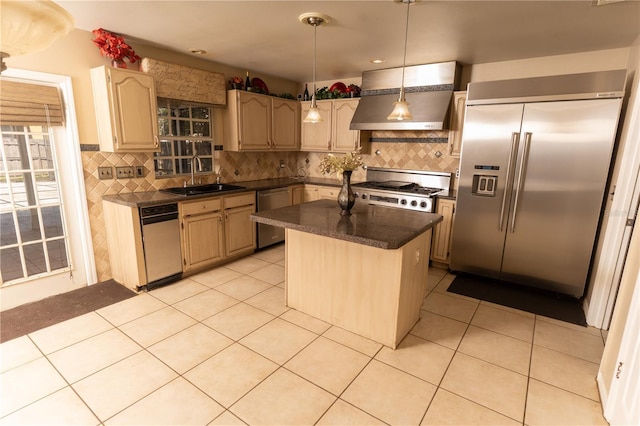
30	26
401	106
400	109
314	19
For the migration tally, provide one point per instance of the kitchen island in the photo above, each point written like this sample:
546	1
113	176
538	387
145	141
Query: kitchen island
366	273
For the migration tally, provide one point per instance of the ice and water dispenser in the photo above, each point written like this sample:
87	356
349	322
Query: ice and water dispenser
484	183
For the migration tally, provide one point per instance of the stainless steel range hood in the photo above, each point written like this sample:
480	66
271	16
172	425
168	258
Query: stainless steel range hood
428	90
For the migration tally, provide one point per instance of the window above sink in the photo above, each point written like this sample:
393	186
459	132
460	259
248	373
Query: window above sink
185	130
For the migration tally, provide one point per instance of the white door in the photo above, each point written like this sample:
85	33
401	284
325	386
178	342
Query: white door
45	243
623	402
619	375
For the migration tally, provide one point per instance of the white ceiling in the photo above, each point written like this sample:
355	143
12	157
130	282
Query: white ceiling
266	36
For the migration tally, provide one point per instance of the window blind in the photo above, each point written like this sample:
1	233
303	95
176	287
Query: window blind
27	104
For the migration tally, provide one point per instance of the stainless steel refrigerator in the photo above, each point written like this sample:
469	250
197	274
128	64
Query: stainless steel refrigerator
535	160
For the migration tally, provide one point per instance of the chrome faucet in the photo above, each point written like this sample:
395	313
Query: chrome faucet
193	164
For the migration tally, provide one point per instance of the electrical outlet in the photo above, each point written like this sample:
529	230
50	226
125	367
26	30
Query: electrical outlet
105	173
125	172
457	173
139	171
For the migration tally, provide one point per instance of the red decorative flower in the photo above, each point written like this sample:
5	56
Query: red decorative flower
113	46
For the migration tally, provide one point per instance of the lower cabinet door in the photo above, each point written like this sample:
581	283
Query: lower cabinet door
240	231
203	240
440	249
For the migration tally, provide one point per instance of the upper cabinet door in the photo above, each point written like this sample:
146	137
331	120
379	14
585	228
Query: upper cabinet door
285	122
254	125
316	136
344	139
126	110
456	123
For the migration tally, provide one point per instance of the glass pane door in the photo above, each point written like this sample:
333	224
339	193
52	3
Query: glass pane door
33	240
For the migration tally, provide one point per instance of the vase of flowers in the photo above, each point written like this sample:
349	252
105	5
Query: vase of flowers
113	46
235	83
353	91
343	167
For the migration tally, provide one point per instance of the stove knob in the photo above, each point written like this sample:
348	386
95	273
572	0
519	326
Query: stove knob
364	196
403	202
423	204
414	203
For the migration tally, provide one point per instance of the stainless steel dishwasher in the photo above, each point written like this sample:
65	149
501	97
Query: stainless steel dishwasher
161	242
270	199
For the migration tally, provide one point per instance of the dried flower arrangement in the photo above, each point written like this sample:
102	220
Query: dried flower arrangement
353	90
333	164
114	46
236	83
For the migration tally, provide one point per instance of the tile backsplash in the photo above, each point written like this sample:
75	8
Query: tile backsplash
394	152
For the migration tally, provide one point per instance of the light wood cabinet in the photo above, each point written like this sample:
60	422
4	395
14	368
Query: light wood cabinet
255	122
440	250
124	241
202	233
320	192
311	193
240	231
344	139
316	136
296	194
333	134
456	123
328	193
285	124
214	229
126	110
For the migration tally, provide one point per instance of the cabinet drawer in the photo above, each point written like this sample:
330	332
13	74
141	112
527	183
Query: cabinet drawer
201	206
330	193
245	199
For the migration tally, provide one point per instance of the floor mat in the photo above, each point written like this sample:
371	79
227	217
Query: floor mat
540	302
34	316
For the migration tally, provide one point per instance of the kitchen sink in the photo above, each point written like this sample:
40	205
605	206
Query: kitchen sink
202	189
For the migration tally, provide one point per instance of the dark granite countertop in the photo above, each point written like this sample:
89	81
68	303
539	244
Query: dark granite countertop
377	226
150	198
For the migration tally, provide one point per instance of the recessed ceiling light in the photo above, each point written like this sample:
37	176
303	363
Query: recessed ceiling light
378	61
198	51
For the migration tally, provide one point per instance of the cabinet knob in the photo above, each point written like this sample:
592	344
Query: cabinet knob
155	141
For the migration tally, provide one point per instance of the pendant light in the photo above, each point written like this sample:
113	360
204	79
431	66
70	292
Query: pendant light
314	19
401	106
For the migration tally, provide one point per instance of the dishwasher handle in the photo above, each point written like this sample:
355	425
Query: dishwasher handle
159	218
273	198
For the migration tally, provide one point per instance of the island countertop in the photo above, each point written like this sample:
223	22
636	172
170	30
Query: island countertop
383	227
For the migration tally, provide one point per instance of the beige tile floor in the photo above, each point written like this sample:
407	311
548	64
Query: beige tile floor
221	347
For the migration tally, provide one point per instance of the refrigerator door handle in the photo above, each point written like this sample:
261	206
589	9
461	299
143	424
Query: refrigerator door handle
524	157
515	138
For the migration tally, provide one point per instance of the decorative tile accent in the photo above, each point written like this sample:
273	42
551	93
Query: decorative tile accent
414	140
89	147
414	89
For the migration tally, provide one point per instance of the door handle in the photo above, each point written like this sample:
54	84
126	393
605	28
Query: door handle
524	158
515	139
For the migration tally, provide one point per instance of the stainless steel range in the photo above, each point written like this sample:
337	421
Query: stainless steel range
405	189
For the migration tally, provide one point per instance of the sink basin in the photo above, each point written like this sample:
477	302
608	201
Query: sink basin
202	189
